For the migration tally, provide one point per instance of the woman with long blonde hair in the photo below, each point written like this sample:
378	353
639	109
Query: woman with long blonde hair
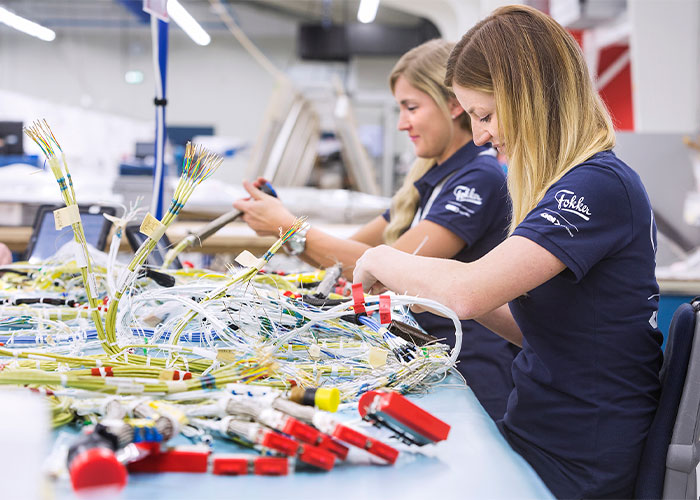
453	204
574	283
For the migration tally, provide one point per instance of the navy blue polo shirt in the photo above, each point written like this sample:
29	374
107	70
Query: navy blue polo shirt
586	381
472	203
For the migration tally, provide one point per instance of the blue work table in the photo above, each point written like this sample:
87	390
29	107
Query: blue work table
474	462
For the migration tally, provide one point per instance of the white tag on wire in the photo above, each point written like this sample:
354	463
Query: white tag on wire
91	283
152	227
125	278
80	259
246	259
66	216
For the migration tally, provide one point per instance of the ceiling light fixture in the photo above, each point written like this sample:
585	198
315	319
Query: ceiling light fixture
188	24
25	25
367	10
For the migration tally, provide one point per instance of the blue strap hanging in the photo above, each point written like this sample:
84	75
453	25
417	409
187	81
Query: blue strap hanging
159	34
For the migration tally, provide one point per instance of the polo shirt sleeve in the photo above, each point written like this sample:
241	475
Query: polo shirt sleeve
583	218
470	202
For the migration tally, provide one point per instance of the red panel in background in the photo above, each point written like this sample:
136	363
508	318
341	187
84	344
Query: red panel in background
617	94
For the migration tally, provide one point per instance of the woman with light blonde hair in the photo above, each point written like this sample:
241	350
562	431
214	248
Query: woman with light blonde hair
574	283
453	204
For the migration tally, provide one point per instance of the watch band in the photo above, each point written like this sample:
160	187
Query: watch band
296	244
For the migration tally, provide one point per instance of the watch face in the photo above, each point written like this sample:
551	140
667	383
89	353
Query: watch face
296	244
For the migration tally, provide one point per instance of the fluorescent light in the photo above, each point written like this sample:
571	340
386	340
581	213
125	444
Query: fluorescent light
134	76
188	24
367	10
25	25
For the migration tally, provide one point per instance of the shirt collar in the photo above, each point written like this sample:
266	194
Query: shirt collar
438	172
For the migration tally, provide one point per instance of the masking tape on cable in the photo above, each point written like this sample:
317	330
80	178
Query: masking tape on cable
314	352
152	227
377	357
66	216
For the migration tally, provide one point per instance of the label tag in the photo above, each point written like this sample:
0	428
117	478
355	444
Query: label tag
246	259
152	227
66	216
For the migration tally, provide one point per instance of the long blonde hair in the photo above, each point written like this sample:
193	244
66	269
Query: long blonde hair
549	115
423	67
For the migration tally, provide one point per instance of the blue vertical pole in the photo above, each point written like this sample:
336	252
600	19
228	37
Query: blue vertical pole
159	33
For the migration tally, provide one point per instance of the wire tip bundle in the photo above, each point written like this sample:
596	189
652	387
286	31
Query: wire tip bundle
41	134
199	163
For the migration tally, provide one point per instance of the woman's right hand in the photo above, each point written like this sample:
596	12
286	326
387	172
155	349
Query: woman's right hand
373	258
265	214
5	255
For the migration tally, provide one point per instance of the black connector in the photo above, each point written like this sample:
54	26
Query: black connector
100	437
164	280
38	300
353	318
315	300
410	333
404	353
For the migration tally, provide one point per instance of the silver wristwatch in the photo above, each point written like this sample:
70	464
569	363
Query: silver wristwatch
296	244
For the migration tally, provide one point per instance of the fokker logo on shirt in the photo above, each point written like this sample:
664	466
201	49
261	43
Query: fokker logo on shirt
569	202
466	194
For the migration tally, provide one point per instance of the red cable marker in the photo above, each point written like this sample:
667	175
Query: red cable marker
230	465
384	309
172	460
358	298
97	467
409	422
100	371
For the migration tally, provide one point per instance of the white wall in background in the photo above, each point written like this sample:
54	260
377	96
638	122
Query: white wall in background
665	46
93	141
219	85
452	17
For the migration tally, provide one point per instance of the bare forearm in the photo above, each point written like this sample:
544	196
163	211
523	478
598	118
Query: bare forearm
324	250
501	321
471	289
429	277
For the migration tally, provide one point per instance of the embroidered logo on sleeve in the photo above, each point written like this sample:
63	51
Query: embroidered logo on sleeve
559	220
466	194
569	202
459	209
